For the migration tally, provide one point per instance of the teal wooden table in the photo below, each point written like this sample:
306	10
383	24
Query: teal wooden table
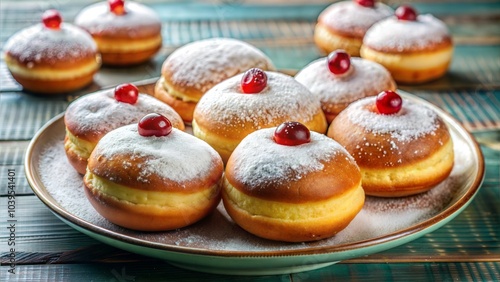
465	249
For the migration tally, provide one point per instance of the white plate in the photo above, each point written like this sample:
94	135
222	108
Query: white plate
217	245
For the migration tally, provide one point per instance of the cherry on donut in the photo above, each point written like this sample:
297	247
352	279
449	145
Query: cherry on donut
52	19
154	125
126	93
366	3
406	13
339	62
292	133
117	7
388	102
253	81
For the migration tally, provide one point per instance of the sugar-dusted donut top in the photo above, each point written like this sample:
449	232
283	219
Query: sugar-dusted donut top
351	19
98	113
139	21
259	160
202	64
225	104
40	45
396	35
411	122
366	78
178	157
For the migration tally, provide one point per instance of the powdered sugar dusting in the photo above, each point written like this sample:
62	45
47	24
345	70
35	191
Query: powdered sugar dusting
367	78
218	232
178	156
139	21
283	98
349	17
100	112
202	64
276	163
406	35
38	43
412	121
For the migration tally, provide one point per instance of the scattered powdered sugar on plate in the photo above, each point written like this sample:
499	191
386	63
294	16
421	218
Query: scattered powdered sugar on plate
217	232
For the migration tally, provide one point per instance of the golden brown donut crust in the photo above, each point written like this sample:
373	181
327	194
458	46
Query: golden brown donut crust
328	41
338	176
184	108
131	176
126	57
146	218
79	163
350	135
415	165
275	229
89	61
139	186
44	86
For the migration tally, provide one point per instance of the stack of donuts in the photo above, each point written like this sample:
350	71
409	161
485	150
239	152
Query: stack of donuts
291	158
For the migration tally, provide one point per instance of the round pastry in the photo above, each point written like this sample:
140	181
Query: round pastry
193	69
247	102
152	177
90	117
414	48
52	57
126	32
401	149
339	80
289	184
342	25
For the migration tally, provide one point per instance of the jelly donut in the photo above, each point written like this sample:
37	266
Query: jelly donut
152	177
339	80
289	184
401	148
90	117
52	57
342	25
194	68
247	102
414	48
126	32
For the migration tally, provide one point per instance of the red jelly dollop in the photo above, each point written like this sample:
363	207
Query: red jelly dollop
339	62
117	7
253	81
154	125
126	93
52	19
292	133
388	102
366	3
406	13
